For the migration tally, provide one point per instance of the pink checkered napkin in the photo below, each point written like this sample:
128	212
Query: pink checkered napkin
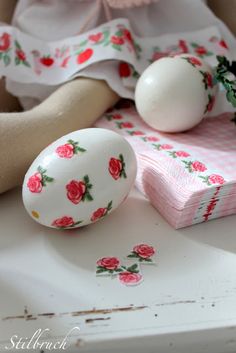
189	177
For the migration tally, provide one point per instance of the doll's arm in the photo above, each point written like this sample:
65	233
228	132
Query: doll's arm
75	105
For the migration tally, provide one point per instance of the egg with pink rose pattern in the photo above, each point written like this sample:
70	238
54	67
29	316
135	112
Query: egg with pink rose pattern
174	93
79	179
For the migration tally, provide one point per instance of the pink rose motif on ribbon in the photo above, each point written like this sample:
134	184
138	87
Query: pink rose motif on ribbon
20	56
129	278
84	55
195	166
5	42
125	125
108	266
117	167
143	252
101	212
193	61
210	104
38	180
207	79
65	222
78	191
96	38
69	149
176	154
124	70
113	117
213	179
200	50
117	41
164	146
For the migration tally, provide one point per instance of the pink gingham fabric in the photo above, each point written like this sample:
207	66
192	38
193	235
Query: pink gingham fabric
188	177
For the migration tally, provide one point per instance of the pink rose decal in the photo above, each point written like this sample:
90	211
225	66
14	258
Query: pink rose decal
108	266
38	180
65	222
195	166
143	253
176	154
129	278
117	167
164	146
79	190
101	212
35	183
213	179
65	151
110	263
216	179
198	167
182	154
69	149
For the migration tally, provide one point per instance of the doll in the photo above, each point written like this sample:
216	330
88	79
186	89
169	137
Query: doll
58	96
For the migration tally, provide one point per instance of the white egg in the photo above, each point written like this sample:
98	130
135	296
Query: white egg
174	93
79	179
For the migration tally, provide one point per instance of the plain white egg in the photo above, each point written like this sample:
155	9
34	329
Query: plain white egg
79	179
174	93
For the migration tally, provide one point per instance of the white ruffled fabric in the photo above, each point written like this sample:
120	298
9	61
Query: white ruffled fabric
53	20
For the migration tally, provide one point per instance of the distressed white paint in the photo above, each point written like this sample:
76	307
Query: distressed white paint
189	297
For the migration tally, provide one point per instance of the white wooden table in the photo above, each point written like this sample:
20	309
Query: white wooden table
186	304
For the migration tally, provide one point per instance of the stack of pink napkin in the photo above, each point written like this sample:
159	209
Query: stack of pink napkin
188	177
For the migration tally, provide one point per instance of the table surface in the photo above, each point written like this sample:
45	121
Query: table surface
186	303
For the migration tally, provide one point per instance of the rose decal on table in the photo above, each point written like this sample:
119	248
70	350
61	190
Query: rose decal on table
117	167
65	222
143	253
108	266
38	180
101	212
78	190
69	149
130	278
213	179
195	166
